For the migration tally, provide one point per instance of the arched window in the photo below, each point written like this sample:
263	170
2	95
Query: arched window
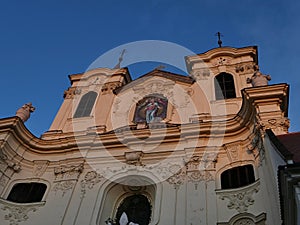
224	86
137	209
237	177
85	105
27	192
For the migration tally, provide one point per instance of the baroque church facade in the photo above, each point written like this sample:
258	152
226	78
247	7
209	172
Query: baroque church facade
163	149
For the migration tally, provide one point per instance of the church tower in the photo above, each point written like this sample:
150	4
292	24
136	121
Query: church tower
88	101
223	73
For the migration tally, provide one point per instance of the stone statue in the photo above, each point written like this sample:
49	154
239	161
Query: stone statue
24	112
124	220
258	79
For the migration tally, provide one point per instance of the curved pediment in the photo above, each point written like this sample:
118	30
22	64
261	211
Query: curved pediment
98	76
227	53
172	77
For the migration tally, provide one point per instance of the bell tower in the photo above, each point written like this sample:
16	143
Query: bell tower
87	101
222	73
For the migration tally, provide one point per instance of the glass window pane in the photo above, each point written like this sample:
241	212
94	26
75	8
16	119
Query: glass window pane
224	83
237	177
27	192
85	105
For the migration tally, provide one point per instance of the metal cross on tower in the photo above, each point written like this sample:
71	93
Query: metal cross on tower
120	59
219	38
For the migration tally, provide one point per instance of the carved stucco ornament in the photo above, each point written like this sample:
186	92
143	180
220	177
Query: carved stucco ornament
16	212
66	177
40	167
232	150
3	180
65	172
244	221
13	165
221	61
164	171
64	186
240	198
201	74
276	124
174	174
3	156
91	178
134	158
6	165
155	86
99	80
245	68
191	173
197	176
165	88
256	145
194	176
110	86
177	179
16	167
71	92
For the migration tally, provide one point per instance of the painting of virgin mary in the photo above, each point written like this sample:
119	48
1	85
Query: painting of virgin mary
152	108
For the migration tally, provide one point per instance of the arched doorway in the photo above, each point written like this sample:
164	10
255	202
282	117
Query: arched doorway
137	208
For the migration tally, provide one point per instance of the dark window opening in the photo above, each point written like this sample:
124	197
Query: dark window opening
224	86
27	192
85	105
137	209
237	177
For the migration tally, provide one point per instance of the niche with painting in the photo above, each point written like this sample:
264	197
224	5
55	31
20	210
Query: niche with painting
151	109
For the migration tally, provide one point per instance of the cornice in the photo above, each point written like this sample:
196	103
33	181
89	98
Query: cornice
264	94
170	75
224	51
15	127
276	90
232	127
103	71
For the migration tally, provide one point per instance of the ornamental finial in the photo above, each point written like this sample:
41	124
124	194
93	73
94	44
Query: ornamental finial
24	112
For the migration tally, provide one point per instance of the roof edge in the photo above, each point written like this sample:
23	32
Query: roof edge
287	155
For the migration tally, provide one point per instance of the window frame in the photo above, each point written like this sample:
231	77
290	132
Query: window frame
27	200
86	105
224	86
244	174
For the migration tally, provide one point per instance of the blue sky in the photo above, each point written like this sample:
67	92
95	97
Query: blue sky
42	42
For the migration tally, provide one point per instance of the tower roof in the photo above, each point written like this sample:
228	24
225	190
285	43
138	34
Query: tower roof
291	142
